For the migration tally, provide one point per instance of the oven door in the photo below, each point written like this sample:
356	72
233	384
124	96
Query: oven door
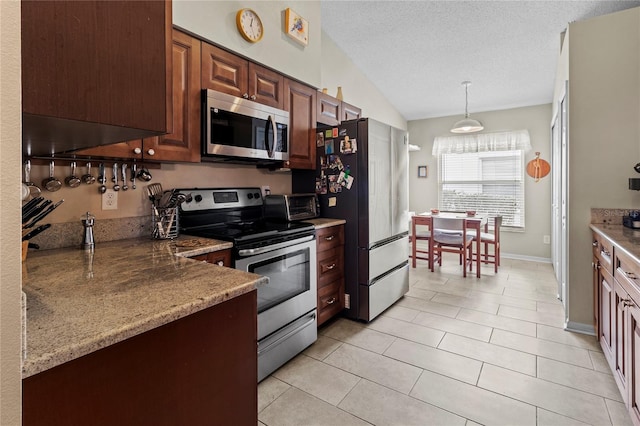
292	288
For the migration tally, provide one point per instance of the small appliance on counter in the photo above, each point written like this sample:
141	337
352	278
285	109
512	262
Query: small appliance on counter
633	220
291	207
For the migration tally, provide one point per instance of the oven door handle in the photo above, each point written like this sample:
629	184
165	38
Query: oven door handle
260	250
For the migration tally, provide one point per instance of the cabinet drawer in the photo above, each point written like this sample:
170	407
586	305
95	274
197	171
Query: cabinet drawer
330	265
330	237
627	273
330	300
603	250
220	258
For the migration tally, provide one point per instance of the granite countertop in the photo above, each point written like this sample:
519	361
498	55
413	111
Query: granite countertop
79	302
626	239
322	222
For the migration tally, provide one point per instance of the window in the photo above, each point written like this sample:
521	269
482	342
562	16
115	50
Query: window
490	182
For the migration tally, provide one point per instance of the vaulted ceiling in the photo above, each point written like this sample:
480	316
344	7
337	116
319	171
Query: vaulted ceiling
418	52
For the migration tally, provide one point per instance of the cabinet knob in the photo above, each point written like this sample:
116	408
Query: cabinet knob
330	267
137	151
331	301
329	238
253	97
595	244
220	263
151	151
604	252
245	95
630	275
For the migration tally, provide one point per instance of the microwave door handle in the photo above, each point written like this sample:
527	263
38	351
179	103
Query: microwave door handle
271	120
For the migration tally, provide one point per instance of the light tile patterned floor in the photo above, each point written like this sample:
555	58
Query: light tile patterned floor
453	351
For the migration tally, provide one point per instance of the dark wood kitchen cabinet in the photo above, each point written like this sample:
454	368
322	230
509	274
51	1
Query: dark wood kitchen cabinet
330	249
94	72
220	258
228	73
198	370
182	144
300	101
332	111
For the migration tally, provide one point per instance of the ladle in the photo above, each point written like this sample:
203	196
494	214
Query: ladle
124	177
116	187
88	179
34	190
52	183
102	179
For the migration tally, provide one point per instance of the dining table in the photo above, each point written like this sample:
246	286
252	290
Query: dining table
472	222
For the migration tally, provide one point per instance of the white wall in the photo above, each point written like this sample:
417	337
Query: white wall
604	135
216	21
423	193
10	264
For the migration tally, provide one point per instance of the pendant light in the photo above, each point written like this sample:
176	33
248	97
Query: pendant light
467	125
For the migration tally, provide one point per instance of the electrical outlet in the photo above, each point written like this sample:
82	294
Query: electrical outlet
266	190
546	239
110	200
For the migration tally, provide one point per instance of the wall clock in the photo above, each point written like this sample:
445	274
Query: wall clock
249	25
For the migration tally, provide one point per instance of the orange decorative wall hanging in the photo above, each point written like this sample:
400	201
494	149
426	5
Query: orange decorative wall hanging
538	168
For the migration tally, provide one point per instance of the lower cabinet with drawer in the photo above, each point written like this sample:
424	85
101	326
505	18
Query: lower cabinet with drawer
617	301
220	257
330	246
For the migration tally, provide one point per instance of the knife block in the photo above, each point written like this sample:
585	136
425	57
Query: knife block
25	249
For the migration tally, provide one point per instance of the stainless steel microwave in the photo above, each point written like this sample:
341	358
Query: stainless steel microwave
240	129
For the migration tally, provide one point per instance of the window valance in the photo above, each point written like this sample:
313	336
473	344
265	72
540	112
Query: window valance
498	141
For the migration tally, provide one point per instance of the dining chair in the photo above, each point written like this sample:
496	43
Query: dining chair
450	235
487	238
419	235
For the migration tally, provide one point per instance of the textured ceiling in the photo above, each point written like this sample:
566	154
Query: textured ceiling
418	52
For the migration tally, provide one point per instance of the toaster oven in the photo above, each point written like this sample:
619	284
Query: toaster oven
291	207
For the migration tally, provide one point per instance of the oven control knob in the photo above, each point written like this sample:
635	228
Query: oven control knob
249	195
198	198
256	195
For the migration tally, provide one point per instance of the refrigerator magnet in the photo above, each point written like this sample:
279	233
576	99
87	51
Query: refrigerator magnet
328	133
323	162
354	146
349	181
334	132
343	132
332	201
319	139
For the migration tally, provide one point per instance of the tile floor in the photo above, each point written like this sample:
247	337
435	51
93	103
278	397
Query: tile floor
453	351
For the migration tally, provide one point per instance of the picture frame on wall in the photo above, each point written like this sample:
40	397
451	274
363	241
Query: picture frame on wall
422	171
296	27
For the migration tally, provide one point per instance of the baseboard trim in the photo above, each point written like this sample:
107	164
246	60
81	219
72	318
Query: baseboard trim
523	257
578	327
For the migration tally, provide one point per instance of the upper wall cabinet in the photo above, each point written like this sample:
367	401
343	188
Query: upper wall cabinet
225	72
331	111
183	142
300	101
93	73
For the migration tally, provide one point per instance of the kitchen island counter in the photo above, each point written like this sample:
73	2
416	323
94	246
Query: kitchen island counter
80	302
625	239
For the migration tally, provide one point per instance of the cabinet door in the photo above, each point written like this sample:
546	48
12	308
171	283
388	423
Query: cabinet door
634	363
596	296
183	143
607	312
328	110
350	112
129	150
224	71
621	299
266	86
300	101
95	63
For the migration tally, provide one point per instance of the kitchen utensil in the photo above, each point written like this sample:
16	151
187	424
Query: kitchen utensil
73	181
31	204
42	215
35	211
34	246
88	178
36	231
116	187
102	179
134	170
124	177
155	192
164	200
52	183
144	175
25	192
34	190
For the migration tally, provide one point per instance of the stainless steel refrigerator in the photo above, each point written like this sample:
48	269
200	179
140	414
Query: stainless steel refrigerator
362	177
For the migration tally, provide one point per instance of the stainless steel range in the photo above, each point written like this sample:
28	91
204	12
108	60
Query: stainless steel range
285	252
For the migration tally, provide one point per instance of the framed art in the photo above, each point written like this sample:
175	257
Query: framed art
296	27
422	171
